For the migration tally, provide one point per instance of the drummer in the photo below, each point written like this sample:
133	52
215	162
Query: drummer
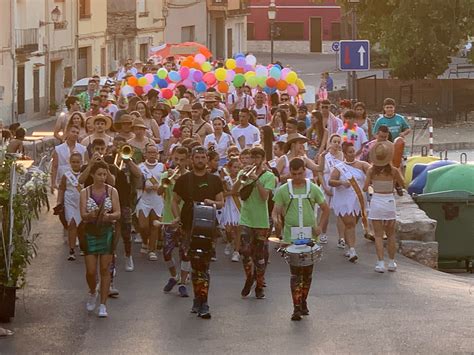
299	191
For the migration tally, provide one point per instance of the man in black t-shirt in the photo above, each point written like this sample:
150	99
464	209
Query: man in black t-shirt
197	186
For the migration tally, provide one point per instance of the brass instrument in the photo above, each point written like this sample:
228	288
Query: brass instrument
125	153
245	176
167	181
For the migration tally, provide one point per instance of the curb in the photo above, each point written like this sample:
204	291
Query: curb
441	147
35	123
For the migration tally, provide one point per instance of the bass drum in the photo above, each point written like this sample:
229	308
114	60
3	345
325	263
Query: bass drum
303	255
204	220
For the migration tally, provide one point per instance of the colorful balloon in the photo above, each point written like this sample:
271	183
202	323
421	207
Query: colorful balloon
230	63
174	100
262	81
285	72
174	76
282	85
249	74
230	75
275	72
197	76
292	90
239	80
206	67
268	90
261	70
291	77
300	84
132	81
188	83
223	87
149	78
147	88
199	58
252	82
271	82
126	90
162	83
239	55
251	60
142	81
162	73
220	74
184	72
209	78
240	61
166	93
200	87
138	90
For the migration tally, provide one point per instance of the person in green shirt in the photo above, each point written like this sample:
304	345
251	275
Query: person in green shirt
396	123
170	232
286	208
254	221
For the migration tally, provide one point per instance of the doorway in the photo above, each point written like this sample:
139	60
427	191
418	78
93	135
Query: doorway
230	45
315	35
83	62
55	82
21	90
220	39
36	90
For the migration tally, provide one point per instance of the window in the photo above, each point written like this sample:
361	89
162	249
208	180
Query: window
141	8
84	9
250	31
144	52
67	77
187	33
36	91
289	31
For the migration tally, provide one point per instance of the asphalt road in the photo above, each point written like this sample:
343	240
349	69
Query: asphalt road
353	309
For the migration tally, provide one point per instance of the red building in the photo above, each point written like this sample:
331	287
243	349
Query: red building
309	21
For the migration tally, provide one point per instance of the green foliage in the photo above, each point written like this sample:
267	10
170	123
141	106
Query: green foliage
418	35
27	203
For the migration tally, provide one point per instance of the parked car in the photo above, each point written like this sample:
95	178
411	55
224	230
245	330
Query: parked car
81	85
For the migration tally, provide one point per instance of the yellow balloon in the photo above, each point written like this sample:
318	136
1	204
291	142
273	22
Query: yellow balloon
206	67
142	81
300	84
230	63
220	74
174	100
291	77
249	74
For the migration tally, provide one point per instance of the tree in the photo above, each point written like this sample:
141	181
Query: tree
419	36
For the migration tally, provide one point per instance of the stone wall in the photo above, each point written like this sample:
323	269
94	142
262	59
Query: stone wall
415	233
286	46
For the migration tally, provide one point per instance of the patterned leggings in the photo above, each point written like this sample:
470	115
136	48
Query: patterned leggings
200	277
300	283
253	250
172	238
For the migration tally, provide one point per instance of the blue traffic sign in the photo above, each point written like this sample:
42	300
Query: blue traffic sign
335	46
354	55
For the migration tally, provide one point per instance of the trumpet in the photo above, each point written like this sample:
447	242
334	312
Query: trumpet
167	181
125	153
244	177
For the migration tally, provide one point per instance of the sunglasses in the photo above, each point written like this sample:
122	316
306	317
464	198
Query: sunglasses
326	107
199	150
284	100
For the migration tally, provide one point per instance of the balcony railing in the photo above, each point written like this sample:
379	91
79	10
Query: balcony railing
27	40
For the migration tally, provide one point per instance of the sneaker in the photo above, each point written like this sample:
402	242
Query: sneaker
247	288
352	255
152	256
235	257
183	292
81	253
392	266
323	239
259	294
341	243
72	255
347	254
304	309
196	306
129	264
380	267
144	249
102	311
169	286
91	302
228	249
204	311
113	292
138	238
296	314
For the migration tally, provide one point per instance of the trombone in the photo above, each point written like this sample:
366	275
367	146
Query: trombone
167	181
125	153
244	177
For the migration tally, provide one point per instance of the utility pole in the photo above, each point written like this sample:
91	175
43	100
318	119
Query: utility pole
352	76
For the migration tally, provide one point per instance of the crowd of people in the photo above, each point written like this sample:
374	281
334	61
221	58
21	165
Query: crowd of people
136	167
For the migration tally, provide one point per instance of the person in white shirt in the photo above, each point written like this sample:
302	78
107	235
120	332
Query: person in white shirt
72	105
262	110
210	102
350	132
219	141
165	132
245	134
239	100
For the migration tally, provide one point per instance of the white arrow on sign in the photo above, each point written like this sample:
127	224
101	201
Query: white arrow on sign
361	52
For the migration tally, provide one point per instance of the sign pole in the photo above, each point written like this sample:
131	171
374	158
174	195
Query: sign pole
354	37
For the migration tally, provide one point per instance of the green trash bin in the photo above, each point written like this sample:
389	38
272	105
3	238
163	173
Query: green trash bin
454	211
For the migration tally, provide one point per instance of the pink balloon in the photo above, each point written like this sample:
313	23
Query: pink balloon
147	88
188	83
149	78
240	62
199	58
230	75
197	75
285	72
209	78
184	72
248	67
292	90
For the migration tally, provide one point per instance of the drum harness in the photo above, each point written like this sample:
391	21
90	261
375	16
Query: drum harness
301	229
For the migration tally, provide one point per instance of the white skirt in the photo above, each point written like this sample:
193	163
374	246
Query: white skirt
230	213
149	201
71	206
382	207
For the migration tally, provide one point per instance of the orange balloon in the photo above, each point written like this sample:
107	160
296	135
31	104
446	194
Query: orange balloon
239	70
190	58
205	52
222	87
196	65
282	85
132	81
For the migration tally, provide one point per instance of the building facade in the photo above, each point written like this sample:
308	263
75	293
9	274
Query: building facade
7	64
300	25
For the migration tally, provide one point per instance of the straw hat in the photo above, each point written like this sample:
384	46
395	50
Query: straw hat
292	138
381	153
108	120
185	108
209	97
164	107
123	119
138	122
181	104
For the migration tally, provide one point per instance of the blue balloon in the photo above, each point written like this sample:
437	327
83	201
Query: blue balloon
238	55
174	76
139	75
162	83
269	90
200	87
275	73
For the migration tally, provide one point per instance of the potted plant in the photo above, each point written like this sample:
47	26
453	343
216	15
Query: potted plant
53	108
22	195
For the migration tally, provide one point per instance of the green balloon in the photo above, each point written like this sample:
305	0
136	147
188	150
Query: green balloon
262	81
239	80
252	82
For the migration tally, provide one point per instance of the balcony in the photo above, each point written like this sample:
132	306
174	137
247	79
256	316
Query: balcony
26	40
217	5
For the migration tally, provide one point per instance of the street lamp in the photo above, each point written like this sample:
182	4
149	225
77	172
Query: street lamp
55	17
272	11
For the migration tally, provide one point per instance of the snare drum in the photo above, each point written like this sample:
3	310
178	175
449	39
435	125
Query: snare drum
302	255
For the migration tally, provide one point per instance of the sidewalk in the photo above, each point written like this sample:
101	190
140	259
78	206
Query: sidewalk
457	136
